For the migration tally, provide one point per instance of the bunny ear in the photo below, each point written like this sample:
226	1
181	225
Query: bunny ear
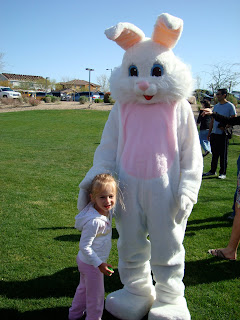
167	30
125	34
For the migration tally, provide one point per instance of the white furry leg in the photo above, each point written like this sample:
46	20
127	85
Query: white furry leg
167	311
127	306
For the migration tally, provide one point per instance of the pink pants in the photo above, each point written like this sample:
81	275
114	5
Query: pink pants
89	295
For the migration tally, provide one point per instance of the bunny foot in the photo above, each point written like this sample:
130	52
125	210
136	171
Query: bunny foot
166	311
127	306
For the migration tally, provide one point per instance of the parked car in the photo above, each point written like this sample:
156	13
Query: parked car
40	95
6	92
202	94
96	96
236	94
101	95
93	95
65	97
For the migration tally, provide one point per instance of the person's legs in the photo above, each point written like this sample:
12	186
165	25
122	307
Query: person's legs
235	236
94	292
223	147
79	301
134	250
233	206
235	194
215	152
167	256
205	144
230	252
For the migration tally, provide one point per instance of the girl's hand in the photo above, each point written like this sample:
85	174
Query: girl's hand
104	268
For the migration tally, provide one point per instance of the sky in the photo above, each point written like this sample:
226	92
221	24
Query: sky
60	39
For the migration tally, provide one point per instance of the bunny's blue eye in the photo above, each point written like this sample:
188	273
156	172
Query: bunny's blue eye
157	70
133	71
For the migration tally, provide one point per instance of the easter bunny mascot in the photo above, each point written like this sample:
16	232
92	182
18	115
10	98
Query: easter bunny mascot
150	140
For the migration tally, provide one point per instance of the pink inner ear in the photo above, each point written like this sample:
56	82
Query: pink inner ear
165	36
127	39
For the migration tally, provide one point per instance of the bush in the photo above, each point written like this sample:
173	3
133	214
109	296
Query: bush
7	101
20	100
12	102
47	99
83	99
98	100
232	99
34	102
55	99
111	100
25	99
106	97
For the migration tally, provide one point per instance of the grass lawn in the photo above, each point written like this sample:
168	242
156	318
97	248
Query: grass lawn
44	156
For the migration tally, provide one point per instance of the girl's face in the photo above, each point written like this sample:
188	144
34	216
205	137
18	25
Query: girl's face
105	200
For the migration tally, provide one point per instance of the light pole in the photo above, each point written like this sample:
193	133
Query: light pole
110	70
89	69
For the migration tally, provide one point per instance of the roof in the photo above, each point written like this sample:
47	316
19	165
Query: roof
13	76
77	82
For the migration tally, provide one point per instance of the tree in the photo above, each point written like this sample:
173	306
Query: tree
224	75
103	81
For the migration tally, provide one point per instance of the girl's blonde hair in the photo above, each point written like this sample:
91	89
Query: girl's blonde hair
100	181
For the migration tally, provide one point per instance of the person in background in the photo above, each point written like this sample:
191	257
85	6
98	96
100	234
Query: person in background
229	252
226	121
204	128
217	136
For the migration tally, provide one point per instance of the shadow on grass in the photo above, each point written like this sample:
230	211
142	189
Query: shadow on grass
64	283
60	284
208	223
210	177
57	228
60	313
210	270
76	237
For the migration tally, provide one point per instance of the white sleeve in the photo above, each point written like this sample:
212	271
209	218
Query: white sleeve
191	160
89	233
105	155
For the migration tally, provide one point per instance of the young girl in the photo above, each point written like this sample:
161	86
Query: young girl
95	223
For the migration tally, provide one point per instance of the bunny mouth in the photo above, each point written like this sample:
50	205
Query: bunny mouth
148	97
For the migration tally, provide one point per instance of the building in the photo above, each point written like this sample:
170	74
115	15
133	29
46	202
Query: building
79	85
24	81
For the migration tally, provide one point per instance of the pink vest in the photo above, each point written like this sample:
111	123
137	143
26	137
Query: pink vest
149	133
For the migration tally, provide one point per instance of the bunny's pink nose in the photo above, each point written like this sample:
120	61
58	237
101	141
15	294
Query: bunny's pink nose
143	85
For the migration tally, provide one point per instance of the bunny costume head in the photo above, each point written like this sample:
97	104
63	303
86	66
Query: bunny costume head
150	72
151	142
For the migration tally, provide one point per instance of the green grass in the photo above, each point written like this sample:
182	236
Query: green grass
44	156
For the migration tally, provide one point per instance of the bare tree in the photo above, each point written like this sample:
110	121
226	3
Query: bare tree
224	75
103	81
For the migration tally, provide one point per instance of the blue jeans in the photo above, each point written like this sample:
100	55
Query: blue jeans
235	195
205	144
